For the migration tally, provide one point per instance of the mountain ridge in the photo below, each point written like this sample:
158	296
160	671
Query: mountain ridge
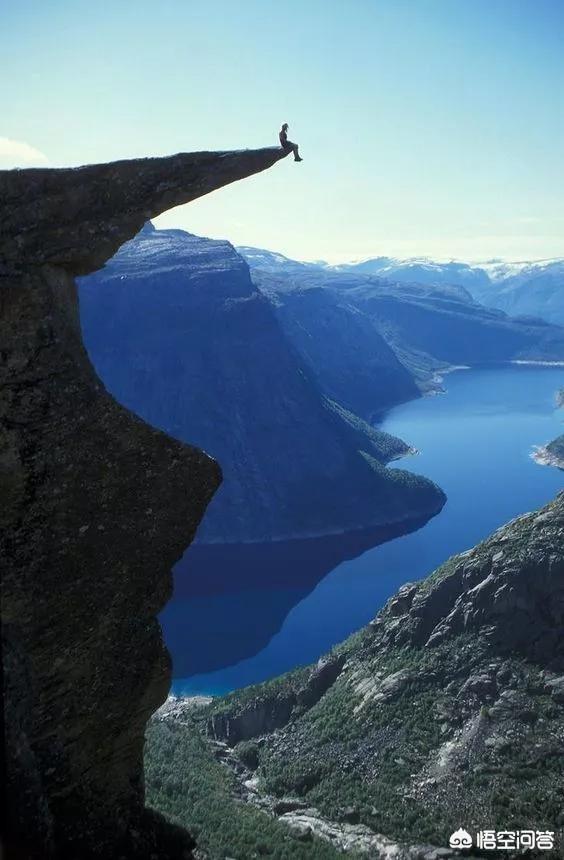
525	288
336	318
179	333
532	288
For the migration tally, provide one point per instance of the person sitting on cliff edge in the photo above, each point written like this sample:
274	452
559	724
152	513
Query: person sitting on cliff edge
287	145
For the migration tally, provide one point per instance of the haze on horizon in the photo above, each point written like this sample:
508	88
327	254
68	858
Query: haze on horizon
428	128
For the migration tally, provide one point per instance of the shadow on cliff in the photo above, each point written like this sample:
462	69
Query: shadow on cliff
230	600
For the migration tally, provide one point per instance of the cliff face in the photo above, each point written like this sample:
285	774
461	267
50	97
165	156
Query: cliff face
342	347
445	712
180	334
97	508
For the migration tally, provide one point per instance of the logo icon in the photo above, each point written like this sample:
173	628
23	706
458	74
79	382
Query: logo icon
460	839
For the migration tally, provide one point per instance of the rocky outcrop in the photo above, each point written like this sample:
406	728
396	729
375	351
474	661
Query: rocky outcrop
77	218
264	713
509	590
551	454
322	677
97	507
259	717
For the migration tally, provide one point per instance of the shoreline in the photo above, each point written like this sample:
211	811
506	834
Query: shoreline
411	452
537	363
438	378
543	457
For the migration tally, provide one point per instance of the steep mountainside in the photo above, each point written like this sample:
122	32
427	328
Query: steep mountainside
456	332
97	507
180	334
341	345
426	327
447	711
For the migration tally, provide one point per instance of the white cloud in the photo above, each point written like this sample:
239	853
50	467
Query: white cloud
17	153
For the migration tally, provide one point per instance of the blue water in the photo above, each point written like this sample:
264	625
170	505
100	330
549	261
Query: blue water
475	441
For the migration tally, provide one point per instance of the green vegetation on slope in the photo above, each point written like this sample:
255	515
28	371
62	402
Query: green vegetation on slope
379	759
186	783
446	711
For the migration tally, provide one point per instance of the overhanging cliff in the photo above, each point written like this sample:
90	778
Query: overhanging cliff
77	218
97	507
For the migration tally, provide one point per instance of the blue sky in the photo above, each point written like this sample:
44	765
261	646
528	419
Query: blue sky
427	126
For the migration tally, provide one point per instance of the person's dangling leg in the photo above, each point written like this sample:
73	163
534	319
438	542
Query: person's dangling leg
297	156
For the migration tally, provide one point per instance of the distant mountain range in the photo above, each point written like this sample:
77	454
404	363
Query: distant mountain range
519	288
342	319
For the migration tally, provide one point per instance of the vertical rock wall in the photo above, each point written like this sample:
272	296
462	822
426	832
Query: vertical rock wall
96	508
